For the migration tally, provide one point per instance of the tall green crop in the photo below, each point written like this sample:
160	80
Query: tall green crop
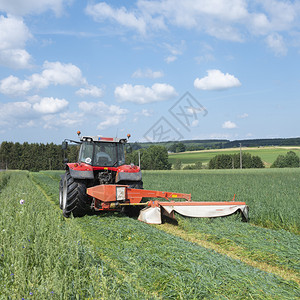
41	255
273	195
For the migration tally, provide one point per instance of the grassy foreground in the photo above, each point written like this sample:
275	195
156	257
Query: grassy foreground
112	256
42	256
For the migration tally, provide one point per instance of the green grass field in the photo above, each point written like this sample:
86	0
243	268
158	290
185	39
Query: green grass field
267	154
112	256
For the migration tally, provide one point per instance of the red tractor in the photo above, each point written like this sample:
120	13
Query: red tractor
101	181
101	161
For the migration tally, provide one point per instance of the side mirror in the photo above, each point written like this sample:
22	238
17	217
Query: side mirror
64	145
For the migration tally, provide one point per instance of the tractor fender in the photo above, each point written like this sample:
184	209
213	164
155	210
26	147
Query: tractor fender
128	172
80	171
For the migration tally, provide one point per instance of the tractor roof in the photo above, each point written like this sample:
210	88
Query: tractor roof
99	138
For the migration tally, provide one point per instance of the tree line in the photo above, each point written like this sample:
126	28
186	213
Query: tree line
152	158
34	157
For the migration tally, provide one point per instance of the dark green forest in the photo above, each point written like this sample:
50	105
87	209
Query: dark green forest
193	145
35	157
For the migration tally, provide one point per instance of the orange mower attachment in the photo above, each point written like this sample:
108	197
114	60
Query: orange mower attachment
112	197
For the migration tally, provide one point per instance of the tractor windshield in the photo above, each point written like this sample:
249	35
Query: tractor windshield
102	154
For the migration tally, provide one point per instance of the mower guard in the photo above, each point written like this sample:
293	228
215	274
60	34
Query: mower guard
153	214
112	197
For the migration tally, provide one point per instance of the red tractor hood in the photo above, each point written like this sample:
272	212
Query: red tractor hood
80	167
129	169
85	167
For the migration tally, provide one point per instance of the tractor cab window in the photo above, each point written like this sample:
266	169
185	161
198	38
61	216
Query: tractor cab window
109	154
86	152
102	154
105	154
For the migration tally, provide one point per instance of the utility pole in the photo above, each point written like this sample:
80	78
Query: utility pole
241	157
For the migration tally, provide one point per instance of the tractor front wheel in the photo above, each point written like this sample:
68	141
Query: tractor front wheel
75	201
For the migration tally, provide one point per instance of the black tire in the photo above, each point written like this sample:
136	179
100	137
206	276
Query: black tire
75	200
61	183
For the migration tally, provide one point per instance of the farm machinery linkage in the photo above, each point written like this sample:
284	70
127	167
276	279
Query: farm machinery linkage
101	181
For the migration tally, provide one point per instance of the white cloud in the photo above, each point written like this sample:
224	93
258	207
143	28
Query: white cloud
205	58
12	114
229	125
280	15
175	51
146	113
243	116
34	112
276	43
102	11
148	73
54	73
59	73
14	86
91	91
170	58
22	7
49	112
66	119
216	80
110	115
49	105
226	20
13	36
188	13
143	113
141	94
14	33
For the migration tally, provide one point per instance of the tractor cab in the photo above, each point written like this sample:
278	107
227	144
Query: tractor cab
102	152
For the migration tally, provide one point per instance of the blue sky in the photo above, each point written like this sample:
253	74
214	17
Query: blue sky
206	69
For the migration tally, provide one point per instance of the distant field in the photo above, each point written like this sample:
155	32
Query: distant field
267	154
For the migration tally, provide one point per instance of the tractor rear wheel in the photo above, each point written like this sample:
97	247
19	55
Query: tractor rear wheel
75	201
61	183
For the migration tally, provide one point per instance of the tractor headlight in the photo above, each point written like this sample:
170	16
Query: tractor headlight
121	193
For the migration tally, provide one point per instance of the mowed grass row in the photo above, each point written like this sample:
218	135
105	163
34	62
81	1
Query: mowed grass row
43	256
267	154
278	248
167	266
273	195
